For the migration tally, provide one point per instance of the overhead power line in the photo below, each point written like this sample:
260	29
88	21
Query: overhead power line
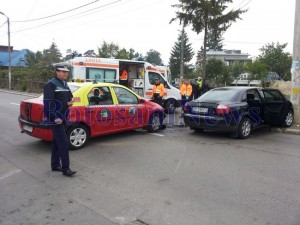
66	17
57	14
241	3
3	24
247	3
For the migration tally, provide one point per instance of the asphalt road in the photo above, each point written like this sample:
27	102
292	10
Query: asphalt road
175	177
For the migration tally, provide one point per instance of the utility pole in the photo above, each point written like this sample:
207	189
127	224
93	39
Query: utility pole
181	53
295	81
9	51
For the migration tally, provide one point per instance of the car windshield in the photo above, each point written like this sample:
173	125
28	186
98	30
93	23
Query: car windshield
219	95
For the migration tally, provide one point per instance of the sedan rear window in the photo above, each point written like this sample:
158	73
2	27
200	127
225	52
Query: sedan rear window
220	95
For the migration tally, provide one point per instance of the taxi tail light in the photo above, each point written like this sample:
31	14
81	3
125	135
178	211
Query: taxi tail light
223	109
22	109
25	110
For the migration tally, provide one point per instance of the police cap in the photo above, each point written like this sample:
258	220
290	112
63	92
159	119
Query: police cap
61	66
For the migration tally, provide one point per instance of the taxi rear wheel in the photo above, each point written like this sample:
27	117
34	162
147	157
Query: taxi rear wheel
78	136
154	123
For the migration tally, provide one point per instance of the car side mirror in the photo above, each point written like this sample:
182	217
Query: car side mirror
141	100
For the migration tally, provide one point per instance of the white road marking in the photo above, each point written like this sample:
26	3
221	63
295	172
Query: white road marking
160	135
10	173
181	159
12	103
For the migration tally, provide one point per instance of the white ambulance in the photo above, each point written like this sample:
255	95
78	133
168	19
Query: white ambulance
166	72
141	76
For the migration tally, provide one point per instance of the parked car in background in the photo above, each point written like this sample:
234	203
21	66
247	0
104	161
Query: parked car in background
114	108
245	79
238	110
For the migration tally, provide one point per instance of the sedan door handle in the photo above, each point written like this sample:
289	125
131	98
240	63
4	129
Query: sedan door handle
122	110
90	110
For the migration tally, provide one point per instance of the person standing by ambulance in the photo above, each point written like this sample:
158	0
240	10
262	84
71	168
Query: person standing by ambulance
158	92
186	90
199	83
124	77
57	100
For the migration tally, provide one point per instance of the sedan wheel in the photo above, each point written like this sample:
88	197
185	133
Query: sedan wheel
289	119
244	128
154	123
78	136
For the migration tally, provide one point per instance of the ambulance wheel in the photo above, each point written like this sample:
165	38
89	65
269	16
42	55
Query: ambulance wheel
78	136
154	123
170	106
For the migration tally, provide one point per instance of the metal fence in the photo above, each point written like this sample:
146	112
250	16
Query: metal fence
23	85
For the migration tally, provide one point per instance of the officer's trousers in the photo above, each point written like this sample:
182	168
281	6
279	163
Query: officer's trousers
60	147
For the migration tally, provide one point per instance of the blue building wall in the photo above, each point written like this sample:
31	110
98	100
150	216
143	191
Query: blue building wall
18	58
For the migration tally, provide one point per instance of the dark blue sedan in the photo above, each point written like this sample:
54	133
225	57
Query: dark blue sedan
238	110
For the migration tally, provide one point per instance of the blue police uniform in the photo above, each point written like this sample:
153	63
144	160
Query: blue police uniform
57	94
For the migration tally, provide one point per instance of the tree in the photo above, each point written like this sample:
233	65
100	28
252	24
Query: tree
53	54
257	69
133	54
217	72
41	63
236	69
124	54
206	16
73	53
175	57
89	53
108	50
153	57
214	40
276	59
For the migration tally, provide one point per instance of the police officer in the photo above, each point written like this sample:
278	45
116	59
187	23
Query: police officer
57	100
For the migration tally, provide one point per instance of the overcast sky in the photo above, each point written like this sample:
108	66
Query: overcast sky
138	24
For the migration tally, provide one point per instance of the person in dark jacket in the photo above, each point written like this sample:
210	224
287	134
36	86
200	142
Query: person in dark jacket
57	100
194	84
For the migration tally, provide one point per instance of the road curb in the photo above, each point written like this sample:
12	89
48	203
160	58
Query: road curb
175	125
18	93
287	130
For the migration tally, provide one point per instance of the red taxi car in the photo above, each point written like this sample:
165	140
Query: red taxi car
115	108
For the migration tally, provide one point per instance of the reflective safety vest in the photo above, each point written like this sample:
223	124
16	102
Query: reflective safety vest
158	90
124	75
199	84
186	89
